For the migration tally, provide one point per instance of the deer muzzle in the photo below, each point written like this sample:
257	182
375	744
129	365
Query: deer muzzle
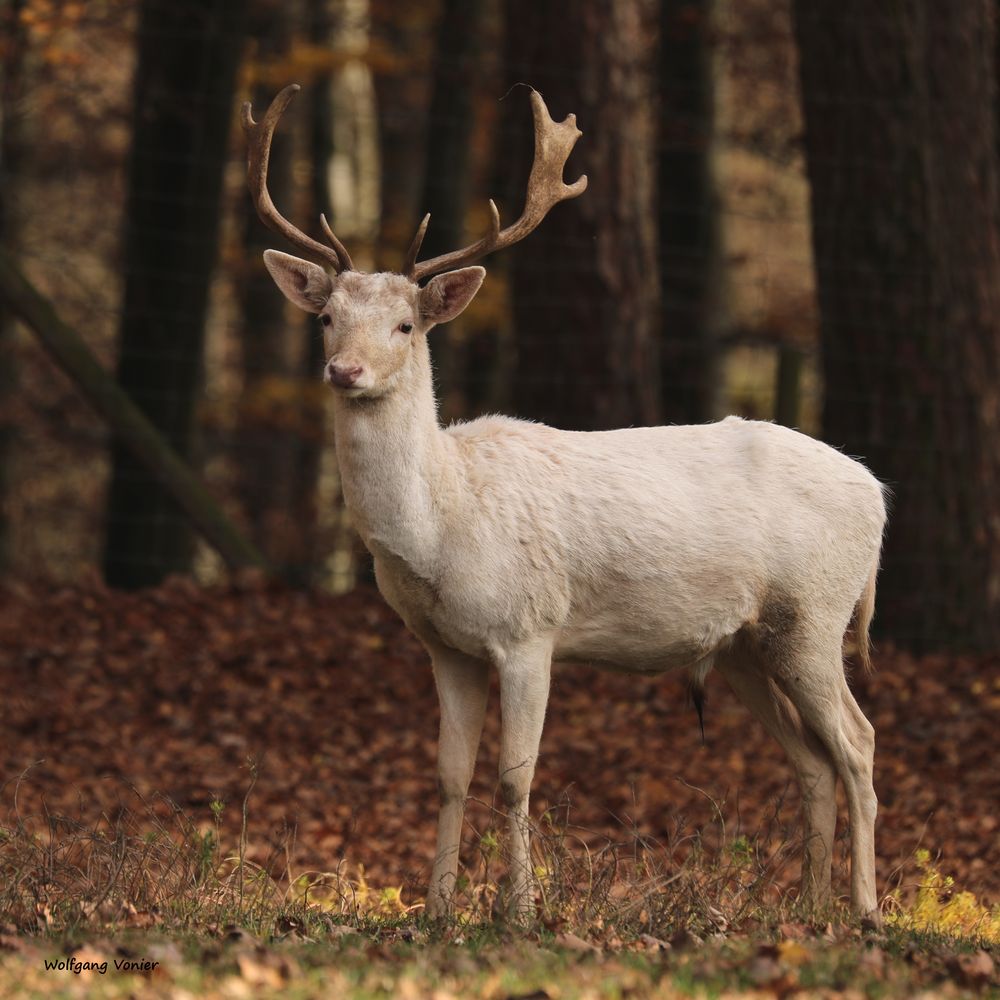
342	376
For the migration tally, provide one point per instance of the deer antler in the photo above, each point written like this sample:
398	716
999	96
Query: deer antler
554	141
259	137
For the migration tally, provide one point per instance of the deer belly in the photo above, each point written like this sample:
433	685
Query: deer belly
631	654
637	641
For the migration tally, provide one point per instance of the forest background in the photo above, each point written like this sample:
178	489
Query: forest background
792	215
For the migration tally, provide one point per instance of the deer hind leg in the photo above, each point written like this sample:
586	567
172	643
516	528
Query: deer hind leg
463	686
524	694
813	766
812	677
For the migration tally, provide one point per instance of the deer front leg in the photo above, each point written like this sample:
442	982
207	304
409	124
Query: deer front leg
524	694
462	684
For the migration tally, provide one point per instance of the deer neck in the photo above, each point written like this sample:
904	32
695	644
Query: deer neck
393	460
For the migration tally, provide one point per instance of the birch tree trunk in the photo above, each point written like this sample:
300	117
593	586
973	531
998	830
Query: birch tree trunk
347	172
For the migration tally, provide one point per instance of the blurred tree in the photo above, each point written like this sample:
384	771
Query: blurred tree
448	156
403	36
584	285
688	219
352	170
447	163
345	156
900	112
308	453
12	50
268	432
183	106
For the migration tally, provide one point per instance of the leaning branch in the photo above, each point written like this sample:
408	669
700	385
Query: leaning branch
125	418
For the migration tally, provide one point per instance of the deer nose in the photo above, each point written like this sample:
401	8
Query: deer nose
343	376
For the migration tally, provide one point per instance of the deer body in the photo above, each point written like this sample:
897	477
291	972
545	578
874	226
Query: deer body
625	545
510	545
506	545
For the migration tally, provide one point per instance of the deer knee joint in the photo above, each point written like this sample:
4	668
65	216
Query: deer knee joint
513	792
451	789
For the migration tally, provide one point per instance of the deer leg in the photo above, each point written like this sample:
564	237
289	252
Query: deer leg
524	694
814	770
861	740
463	685
813	679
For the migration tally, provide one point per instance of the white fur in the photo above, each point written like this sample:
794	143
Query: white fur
509	544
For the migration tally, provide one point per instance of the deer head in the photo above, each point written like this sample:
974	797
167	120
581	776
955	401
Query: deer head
372	321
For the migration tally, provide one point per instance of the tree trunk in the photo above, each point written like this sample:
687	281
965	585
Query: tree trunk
900	106
449	124
584	285
346	180
447	163
183	107
401	85
308	456
268	402
689	237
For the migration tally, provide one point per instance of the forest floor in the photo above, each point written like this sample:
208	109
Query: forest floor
241	781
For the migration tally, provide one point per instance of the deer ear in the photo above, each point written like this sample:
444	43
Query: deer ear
445	296
305	284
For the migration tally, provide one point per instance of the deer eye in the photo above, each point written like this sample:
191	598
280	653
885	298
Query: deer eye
325	320
405	327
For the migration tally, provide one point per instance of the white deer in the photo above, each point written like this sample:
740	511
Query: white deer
505	544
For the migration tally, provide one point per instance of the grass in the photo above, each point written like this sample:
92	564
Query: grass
633	918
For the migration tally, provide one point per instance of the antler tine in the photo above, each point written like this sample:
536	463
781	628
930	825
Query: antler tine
411	255
259	136
554	141
342	253
494	234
